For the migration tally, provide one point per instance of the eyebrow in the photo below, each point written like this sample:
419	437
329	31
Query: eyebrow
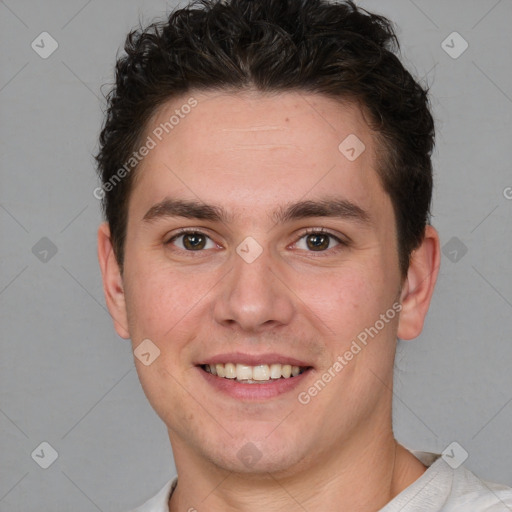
191	209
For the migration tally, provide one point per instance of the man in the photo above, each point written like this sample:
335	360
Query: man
266	181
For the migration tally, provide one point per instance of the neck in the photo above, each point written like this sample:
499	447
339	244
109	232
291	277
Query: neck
363	477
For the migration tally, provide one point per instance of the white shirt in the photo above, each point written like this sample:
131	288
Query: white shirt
439	489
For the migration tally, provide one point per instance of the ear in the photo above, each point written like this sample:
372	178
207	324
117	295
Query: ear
419	285
112	281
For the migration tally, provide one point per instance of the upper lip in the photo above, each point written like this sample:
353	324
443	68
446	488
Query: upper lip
252	359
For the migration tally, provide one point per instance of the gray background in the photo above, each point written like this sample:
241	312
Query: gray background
65	376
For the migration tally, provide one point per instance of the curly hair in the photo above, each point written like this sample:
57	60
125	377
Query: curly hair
335	49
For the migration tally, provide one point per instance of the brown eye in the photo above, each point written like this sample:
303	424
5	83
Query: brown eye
194	241
191	241
318	241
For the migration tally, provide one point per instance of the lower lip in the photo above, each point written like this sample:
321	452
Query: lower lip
244	391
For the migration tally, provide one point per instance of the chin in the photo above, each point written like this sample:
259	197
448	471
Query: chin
258	457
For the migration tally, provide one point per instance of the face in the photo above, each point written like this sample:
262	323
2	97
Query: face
289	254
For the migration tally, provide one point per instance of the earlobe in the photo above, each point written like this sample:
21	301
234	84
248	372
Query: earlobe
112	281
419	284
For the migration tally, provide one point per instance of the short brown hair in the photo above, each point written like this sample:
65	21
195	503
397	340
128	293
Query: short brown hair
335	49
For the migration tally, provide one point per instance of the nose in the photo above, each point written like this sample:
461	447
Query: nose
254	296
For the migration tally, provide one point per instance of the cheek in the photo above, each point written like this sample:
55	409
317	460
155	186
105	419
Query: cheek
160	301
345	300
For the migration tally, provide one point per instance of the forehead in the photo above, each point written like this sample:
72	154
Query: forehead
253	150
259	121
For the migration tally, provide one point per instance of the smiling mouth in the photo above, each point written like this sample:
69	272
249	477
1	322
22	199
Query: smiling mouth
259	374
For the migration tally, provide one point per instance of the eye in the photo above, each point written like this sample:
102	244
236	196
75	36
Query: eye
318	240
189	240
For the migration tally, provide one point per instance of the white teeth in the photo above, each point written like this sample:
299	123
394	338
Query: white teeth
220	370
261	372
275	371
286	371
243	372
253	374
230	370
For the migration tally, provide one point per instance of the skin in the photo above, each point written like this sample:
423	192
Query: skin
253	154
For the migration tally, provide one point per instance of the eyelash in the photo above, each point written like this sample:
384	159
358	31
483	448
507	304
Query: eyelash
308	231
